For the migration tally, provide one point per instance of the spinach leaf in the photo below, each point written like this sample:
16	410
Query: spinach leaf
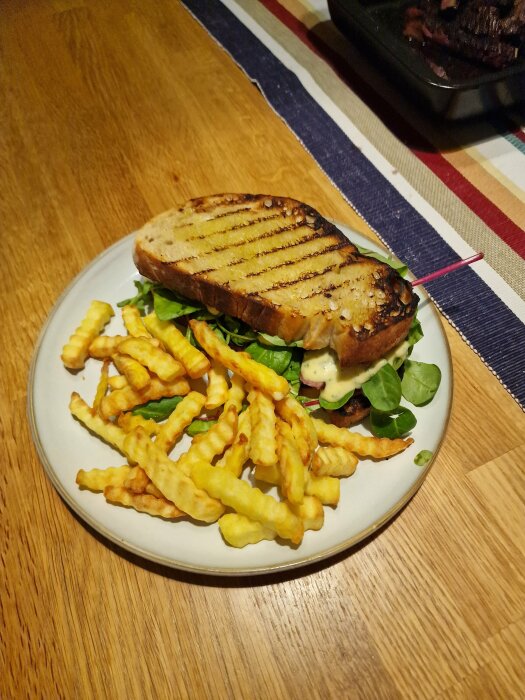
393	262
277	359
383	390
293	372
420	382
169	305
334	405
143	296
422	458
393	424
158	410
235	331
199	426
279	342
415	332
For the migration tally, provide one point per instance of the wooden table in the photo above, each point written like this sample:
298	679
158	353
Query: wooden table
110	113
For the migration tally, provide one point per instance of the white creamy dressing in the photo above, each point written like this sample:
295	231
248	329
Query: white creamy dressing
322	366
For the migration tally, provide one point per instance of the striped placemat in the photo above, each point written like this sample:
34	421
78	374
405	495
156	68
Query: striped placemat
415	196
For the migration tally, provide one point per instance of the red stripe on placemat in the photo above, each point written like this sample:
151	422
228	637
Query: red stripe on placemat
488	212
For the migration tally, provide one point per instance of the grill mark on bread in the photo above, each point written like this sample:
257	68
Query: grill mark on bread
301	278
244	241
237	227
264	253
307	274
285	263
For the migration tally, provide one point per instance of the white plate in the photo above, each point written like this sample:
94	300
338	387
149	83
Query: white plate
373	495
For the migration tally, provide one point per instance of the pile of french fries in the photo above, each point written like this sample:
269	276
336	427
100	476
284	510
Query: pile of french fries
262	434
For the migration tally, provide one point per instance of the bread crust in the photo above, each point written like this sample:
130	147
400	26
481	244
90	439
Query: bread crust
179	249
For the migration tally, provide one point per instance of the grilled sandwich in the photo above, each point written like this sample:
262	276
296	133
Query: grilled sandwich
279	266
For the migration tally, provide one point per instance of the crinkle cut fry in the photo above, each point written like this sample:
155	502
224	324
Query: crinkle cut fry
334	461
206	446
239	531
136	374
111	433
304	431
248	501
161	363
217	389
195	362
76	350
128	422
236	455
293	472
98	479
171	481
142	502
171	430
133	322
379	448
263	440
125	399
260	376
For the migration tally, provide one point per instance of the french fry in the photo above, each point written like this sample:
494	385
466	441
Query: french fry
153	490
105	346
108	431
156	360
236	455
217	390
206	446
185	411
260	376
310	511
136	374
133	322
98	479
303	428
76	350
170	480
291	466
128	422
263	440
236	393
379	448
138	481
326	488
268	474
239	531
248	501
127	398
102	385
117	381
142	502
334	461
195	362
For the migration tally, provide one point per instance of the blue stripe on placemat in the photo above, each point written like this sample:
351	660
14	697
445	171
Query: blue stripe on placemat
485	322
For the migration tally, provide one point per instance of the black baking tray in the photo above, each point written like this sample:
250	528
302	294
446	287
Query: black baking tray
377	26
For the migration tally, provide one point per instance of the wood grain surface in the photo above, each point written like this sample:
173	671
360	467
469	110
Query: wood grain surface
111	112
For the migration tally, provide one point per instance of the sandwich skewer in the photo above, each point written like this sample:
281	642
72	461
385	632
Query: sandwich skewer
448	268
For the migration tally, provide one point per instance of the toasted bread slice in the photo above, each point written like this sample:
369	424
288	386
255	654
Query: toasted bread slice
278	265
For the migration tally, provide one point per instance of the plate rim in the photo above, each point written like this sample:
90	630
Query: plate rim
177	565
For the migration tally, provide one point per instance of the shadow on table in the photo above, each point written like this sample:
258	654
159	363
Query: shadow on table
233	581
399	109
